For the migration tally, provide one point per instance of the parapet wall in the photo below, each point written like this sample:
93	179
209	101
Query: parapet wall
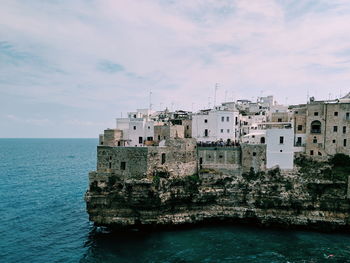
177	158
220	158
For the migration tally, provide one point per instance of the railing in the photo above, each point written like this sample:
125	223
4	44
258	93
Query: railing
315	131
218	144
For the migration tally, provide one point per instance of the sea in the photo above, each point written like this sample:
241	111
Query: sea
43	219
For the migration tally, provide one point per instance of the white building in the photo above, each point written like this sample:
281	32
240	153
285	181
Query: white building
256	137
137	127
280	147
215	125
249	123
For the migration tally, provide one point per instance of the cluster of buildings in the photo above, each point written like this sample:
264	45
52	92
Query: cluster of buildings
317	129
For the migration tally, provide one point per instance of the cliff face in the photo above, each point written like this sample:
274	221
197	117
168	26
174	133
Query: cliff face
271	198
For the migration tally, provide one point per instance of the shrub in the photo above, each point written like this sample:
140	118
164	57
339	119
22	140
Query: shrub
340	160
156	180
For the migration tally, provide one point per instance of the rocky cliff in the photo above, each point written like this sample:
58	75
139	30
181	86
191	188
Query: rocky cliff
308	198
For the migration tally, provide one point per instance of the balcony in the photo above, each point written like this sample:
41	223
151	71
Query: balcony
316	131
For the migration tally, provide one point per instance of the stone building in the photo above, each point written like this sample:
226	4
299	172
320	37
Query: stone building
178	157
168	131
111	137
299	124
327	127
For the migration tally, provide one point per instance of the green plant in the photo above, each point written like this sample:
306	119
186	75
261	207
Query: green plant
340	160
156	180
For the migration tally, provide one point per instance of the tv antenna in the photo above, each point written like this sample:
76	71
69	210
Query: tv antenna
215	90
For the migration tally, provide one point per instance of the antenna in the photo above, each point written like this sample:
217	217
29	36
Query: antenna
150	100
208	102
307	95
215	89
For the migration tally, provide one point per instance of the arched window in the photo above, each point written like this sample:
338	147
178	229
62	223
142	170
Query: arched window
316	127
262	140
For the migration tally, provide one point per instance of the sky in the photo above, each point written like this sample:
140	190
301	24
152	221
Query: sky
69	68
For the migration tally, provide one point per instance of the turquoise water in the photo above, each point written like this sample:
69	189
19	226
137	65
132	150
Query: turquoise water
43	219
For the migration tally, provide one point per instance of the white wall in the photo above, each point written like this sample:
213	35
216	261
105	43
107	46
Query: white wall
277	153
217	127
254	138
143	127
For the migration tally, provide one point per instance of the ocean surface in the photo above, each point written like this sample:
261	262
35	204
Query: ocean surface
43	219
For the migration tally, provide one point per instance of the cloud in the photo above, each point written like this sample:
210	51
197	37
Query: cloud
105	57
31	121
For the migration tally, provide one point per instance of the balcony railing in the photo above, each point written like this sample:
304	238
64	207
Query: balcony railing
317	131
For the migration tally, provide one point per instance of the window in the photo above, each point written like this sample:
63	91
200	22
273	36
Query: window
344	142
296	112
163	158
315	113
140	139
134	127
335	113
281	151
227	118
281	139
314	140
347	116
279	120
149	138
333	141
262	140
187	127
254	153
319	153
149	127
135	116
110	165
228	130
122	165
222	130
236	120
311	152
222	118
335	128
253	136
316	127
205	121
158	137
344	129
206	133
298	142
300	127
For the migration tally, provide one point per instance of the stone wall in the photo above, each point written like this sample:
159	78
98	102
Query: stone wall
123	162
111	137
178	157
253	156
220	158
166	132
